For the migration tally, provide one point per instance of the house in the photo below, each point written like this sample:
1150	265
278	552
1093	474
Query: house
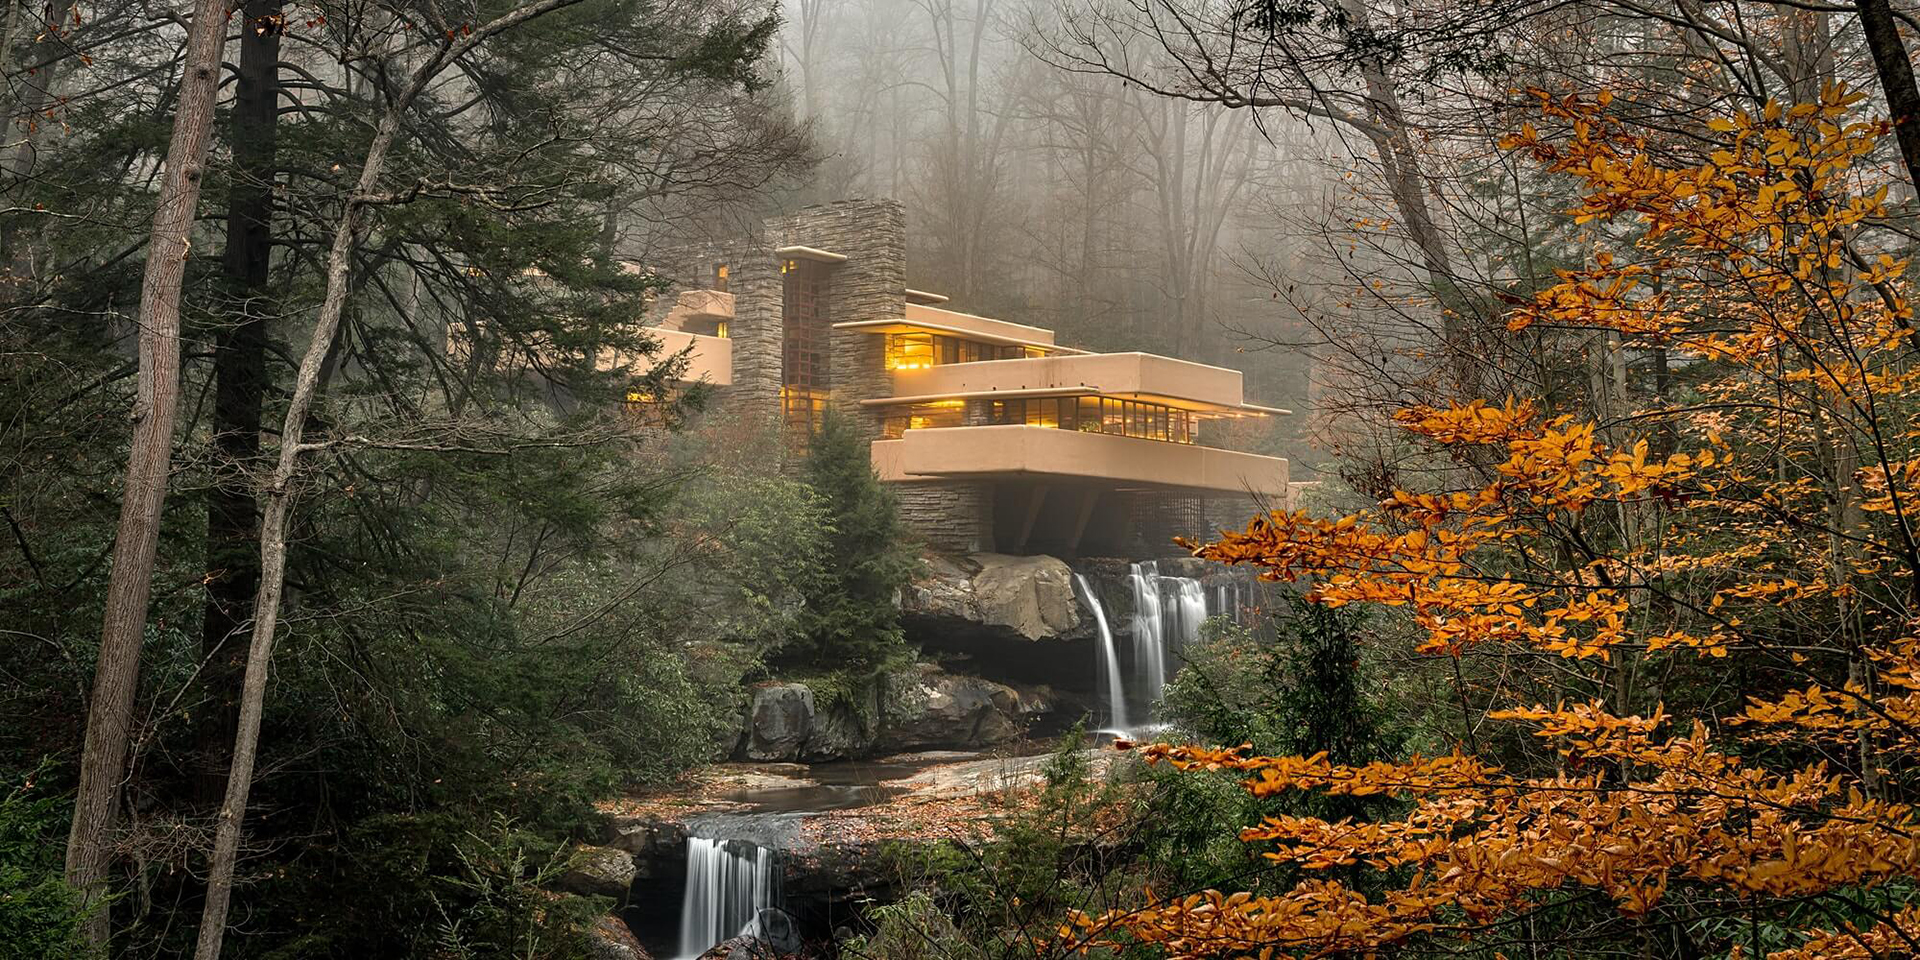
995	436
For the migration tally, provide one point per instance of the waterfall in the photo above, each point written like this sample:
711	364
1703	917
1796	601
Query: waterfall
728	883
1149	630
1168	612
1109	659
1190	609
1230	600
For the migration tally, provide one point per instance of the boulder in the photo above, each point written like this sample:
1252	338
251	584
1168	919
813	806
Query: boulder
658	846
842	729
996	596
779	721
599	872
775	929
1032	596
919	708
927	707
770	935
943	590
611	940
745	948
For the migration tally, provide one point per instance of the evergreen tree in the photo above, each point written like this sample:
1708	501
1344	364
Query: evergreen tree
853	618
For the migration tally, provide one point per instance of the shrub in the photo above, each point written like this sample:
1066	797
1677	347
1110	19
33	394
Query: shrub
40	915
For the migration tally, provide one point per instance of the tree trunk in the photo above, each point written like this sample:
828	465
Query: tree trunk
1406	183
19	158
239	376
280	489
1896	79
103	764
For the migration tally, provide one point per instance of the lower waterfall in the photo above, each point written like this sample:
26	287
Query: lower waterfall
728	883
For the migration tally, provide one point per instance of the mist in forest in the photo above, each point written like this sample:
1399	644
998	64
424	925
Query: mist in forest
1067	198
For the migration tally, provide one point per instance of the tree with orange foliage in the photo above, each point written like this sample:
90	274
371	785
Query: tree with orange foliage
1765	519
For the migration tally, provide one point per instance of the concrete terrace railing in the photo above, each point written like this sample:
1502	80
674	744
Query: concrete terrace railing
1038	453
1141	375
712	359
693	306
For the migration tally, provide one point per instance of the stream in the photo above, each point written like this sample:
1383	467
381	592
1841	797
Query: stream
777	849
737	858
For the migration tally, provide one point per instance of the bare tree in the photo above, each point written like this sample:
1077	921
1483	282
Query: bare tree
1199	160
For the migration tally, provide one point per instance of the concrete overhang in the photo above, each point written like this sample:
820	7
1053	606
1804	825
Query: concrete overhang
924	299
797	252
694	306
989	395
1182	384
923	313
1046	454
968	333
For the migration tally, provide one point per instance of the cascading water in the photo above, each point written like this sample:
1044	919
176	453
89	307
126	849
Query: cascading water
1189	609
1229	599
1168	612
728	883
1149	630
1109	659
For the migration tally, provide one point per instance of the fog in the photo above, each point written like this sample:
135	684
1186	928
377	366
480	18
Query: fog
1066	198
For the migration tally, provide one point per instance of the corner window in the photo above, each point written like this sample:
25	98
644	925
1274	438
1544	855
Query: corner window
910	351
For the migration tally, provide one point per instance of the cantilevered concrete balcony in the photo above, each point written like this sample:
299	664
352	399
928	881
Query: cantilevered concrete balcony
1134	376
710	360
699	311
1048	454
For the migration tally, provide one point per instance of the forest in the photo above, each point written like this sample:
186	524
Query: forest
1408	480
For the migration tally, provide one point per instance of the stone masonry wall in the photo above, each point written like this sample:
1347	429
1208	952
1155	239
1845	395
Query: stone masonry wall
953	516
870	285
754	280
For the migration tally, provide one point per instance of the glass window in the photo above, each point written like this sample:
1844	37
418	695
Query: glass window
926	416
1088	414
909	351
1124	418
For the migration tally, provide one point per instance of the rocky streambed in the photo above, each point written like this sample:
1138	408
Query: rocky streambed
789	844
812	842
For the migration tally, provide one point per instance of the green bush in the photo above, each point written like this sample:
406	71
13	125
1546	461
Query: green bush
40	915
434	886
1309	688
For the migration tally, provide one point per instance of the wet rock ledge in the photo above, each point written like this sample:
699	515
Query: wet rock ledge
915	709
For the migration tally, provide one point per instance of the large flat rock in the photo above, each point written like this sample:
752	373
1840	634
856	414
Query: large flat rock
996	596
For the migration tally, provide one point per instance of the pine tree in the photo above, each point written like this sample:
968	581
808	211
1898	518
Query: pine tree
853	620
